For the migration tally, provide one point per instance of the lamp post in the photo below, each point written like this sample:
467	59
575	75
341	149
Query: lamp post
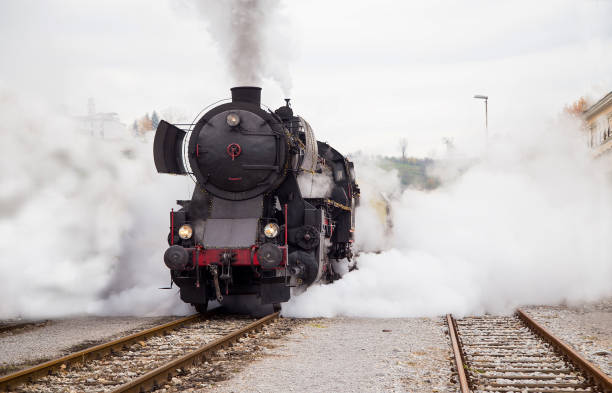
486	101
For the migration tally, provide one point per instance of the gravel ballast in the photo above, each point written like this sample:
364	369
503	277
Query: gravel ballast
59	337
586	328
109	372
352	355
227	362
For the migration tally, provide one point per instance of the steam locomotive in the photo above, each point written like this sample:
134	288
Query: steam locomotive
272	207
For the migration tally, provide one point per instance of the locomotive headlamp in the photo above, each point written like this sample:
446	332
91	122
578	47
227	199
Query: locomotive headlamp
232	119
185	232
271	230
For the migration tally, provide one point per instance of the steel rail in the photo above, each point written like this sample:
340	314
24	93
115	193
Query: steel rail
452	332
9	381
156	378
599	378
596	376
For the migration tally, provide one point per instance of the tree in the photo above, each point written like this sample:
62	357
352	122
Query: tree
576	108
154	120
403	146
145	124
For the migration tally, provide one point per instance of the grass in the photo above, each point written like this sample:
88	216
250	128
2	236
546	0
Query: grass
413	172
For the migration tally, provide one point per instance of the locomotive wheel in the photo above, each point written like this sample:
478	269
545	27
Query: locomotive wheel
276	307
201	307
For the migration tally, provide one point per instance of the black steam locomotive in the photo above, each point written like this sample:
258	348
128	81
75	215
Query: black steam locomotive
271	209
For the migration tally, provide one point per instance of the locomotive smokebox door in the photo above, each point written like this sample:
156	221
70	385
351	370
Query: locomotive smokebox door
238	150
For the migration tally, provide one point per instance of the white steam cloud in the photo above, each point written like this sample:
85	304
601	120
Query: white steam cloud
252	37
83	223
529	222
316	185
82	220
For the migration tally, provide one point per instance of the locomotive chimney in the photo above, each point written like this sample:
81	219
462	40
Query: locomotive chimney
248	94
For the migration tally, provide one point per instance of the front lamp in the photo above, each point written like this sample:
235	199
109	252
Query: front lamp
185	232
271	230
232	119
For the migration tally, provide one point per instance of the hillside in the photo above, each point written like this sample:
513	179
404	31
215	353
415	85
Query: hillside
412	171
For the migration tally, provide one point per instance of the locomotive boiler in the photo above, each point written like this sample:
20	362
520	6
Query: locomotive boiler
272	207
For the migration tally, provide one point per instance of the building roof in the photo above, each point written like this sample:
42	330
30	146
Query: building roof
599	105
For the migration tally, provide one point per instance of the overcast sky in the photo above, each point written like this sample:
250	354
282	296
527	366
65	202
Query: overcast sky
364	73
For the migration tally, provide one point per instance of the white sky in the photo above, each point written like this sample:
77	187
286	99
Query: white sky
364	73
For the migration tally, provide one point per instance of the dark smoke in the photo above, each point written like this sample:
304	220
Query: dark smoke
247	33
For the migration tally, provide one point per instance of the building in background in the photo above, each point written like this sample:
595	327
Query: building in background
598	118
101	125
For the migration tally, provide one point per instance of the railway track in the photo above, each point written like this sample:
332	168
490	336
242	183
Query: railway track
516	354
137	363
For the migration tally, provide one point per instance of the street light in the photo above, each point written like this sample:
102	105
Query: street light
486	100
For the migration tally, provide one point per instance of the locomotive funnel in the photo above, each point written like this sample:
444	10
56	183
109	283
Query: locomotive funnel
248	94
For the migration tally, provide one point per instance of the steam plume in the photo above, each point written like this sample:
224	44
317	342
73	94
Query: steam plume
82	219
250	37
529	222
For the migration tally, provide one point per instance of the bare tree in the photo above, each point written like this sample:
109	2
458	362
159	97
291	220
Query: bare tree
403	146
